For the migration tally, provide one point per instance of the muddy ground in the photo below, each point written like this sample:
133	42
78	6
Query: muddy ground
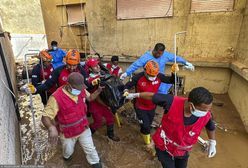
232	140
232	144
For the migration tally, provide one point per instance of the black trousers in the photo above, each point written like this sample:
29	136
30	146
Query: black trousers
145	118
168	161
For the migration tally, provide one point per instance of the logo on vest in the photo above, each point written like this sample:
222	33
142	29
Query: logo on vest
143	84
64	78
191	133
155	82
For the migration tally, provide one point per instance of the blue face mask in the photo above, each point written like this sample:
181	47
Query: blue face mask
198	113
82	63
75	92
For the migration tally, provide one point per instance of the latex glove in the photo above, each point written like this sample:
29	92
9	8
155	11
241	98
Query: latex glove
95	81
174	68
53	135
125	94
123	76
131	96
189	66
28	88
212	148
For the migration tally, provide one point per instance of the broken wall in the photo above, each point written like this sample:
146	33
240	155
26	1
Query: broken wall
9	125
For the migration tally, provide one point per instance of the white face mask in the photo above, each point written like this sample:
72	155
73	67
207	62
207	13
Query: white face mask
75	92
198	113
152	78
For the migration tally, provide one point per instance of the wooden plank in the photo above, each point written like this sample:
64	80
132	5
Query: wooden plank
211	5
133	9
75	14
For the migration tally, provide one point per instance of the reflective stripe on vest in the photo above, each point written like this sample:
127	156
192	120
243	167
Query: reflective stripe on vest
72	124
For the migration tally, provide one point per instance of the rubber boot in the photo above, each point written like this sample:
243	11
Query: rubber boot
97	165
110	133
147	138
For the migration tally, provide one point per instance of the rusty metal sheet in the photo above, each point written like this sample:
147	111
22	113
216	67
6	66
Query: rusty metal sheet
134	9
211	5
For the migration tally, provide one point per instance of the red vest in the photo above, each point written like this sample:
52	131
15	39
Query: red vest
144	85
71	116
44	75
64	75
173	136
113	71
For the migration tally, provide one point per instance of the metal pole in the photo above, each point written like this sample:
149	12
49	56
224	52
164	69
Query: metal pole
175	58
31	106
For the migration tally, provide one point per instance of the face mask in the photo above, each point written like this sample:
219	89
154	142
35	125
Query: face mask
82	63
152	78
75	92
54	47
198	113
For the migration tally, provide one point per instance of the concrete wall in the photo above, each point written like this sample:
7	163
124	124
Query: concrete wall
209	35
55	20
23	19
242	47
238	92
9	128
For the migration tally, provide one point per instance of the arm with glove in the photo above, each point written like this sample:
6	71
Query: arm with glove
212	143
132	83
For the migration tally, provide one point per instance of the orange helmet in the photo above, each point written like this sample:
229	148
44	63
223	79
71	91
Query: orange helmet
72	57
152	68
44	54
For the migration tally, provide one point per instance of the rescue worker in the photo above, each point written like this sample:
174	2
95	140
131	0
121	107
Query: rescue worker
58	55
181	125
161	57
67	104
41	72
97	107
147	81
60	75
113	67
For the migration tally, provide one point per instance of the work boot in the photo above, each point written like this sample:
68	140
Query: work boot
110	133
147	138
97	165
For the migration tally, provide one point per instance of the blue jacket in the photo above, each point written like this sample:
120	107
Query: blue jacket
166	57
58	56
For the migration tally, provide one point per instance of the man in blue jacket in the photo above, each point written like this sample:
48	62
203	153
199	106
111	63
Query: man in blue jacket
161	57
58	55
